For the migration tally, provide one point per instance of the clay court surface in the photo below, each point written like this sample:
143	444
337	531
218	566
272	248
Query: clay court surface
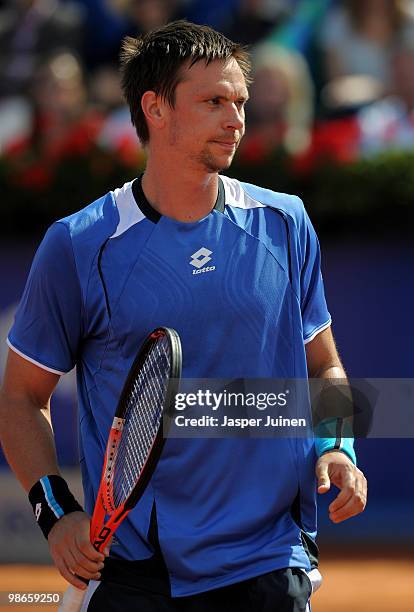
368	584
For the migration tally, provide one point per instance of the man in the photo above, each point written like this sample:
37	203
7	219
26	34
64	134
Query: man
224	524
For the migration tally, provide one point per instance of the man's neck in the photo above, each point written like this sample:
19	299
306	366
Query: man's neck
178	194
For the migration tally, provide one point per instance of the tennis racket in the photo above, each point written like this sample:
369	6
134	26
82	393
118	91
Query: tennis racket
136	439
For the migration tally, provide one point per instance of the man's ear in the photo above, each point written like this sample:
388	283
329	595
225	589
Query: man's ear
153	107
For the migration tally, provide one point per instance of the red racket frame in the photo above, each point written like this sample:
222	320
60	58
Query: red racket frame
101	532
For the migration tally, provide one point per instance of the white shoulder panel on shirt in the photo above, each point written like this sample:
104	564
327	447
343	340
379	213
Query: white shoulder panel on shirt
129	212
236	195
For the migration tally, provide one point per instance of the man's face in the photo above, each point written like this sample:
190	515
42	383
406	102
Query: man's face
207	122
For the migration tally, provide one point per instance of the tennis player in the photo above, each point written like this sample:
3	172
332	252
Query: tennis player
225	524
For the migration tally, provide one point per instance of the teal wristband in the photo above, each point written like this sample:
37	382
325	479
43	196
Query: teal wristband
335	434
324	445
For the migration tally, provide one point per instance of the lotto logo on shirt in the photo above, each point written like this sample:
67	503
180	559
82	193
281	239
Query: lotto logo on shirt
199	259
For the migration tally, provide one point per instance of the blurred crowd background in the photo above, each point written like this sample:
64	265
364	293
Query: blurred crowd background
331	118
331	103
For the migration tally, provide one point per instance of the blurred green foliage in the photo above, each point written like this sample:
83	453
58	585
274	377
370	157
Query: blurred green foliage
369	195
373	195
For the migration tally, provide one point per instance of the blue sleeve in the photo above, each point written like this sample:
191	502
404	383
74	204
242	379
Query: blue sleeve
48	322
315	314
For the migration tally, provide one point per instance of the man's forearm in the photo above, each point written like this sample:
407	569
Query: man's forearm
333	409
27	439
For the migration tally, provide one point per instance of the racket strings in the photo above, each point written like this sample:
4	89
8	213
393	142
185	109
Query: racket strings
143	415
142	427
140	432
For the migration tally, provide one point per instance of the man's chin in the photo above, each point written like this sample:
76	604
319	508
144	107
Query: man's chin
218	164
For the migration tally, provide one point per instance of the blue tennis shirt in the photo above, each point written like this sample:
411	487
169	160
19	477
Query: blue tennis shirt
243	288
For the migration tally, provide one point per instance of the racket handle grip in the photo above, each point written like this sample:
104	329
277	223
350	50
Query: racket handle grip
72	600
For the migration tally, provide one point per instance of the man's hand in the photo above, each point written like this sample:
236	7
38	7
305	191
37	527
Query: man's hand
336	467
72	550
